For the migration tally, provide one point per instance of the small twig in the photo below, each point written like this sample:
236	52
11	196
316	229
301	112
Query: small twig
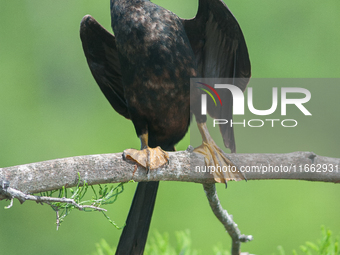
22	197
10	205
226	219
58	219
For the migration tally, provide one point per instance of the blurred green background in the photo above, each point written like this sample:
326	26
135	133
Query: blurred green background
50	107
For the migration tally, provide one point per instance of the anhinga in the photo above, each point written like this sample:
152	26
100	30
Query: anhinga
144	71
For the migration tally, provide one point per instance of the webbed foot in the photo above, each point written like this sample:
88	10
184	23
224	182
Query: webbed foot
216	160
150	158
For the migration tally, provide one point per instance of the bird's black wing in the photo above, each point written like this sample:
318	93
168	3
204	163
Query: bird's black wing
221	52
102	57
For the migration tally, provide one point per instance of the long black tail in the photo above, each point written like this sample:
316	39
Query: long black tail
132	240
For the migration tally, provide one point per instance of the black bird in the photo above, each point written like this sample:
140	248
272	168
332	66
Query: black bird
144	71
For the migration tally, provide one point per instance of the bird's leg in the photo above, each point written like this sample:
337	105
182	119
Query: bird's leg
224	169
150	158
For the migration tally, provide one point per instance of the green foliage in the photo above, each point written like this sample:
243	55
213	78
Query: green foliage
281	250
159	244
218	250
106	194
328	245
103	248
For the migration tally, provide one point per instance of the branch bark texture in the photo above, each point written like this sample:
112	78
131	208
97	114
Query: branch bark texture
183	166
20	181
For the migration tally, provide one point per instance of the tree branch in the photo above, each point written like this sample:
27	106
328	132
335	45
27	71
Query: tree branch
226	219
183	166
20	181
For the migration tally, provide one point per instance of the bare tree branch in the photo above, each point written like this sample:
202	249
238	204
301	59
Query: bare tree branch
226	219
20	181
183	166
